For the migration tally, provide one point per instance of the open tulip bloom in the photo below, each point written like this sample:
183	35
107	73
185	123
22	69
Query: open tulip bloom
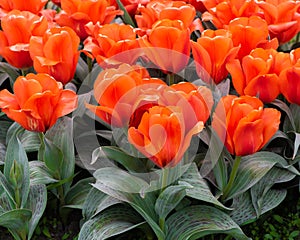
173	119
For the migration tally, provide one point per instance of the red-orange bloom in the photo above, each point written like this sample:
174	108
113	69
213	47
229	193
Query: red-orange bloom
113	84
77	13
33	6
243	124
258	73
290	84
172	10
17	29
221	12
38	101
167	45
250	33
282	18
107	41
161	135
56	53
211	52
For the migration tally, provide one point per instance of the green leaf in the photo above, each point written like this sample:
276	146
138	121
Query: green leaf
169	199
40	174
61	135
197	187
2	153
8	190
12	72
16	152
4	126
78	193
243	211
197	221
116	154
129	188
253	168
288	112
111	222
30	141
95	202
126	17
37	201
15	219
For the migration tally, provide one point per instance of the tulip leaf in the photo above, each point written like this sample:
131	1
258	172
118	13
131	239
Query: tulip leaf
15	219
82	100
289	114
2	153
197	187
198	221
169	199
95	202
243	211
30	141
78	193
37	201
253	168
6	188
116	154
10	70
126	17
130	189
262	191
40	174
61	135
4	126
109	223
16	152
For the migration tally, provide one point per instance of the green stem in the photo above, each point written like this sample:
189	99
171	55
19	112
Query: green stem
170	79
232	177
90	64
17	198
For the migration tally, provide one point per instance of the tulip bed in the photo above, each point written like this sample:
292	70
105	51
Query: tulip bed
149	119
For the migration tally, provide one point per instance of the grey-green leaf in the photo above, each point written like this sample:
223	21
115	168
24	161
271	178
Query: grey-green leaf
40	174
15	219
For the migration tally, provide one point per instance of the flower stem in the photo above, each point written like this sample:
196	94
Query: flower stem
170	79
232	177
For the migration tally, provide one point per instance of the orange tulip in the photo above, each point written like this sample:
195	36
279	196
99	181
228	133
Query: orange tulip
290	84
113	84
33	6
161	135
56	53
258	73
38	101
211	52
107	41
17	29
221	12
167	45
282	18
243	124
77	13
250	33
172	10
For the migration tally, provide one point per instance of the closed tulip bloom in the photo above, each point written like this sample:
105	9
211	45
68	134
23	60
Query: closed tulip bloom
56	53
38	101
167	45
282	18
251	33
107	41
77	13
212	51
243	124
290	84
161	135
17	29
258	73
33	6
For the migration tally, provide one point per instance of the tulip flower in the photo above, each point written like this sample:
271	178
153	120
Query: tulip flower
167	45
258	73
77	13
243	124
38	101
161	135
212	51
221	12
56	53
289	83
33	6
107	41
111	86
250	33
282	18
172	10
17	29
